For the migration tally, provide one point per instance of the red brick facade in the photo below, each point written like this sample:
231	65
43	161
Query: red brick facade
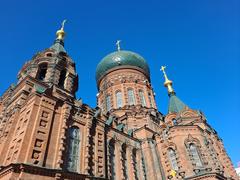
46	133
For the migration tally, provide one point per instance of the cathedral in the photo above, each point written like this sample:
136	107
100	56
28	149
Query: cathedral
47	133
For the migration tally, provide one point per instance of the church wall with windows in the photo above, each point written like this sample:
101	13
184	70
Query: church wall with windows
46	133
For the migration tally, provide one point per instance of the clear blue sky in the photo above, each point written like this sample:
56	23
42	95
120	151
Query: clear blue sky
199	41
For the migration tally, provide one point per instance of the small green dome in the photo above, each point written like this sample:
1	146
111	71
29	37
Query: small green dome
119	59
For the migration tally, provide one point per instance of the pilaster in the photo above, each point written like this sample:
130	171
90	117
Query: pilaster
62	136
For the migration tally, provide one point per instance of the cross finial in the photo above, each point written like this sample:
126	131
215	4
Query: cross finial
164	73
63	24
163	69
118	45
167	83
60	33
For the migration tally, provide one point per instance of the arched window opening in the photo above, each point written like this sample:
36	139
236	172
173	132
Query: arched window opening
174	121
150	99
131	97
112	160
62	78
173	159
195	155
119	99
42	71
142	98
108	102
49	54
74	149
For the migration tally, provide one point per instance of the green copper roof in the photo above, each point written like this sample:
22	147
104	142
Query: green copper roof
175	104
58	46
121	58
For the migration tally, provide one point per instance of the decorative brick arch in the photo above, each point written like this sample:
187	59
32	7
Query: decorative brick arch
169	118
169	144
186	112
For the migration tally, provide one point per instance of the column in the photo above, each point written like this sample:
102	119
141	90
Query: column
140	166
87	146
148	160
109	163
130	163
156	161
63	129
118	160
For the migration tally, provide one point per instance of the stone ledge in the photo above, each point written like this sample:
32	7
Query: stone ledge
209	176
18	168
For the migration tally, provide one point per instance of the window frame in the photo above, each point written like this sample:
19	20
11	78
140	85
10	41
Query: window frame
142	98
42	67
119	99
73	163
62	78
150	99
108	102
172	155
196	158
131	96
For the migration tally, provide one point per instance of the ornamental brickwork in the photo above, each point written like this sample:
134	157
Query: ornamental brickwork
46	133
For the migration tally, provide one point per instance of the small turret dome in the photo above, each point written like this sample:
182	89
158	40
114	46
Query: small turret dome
119	60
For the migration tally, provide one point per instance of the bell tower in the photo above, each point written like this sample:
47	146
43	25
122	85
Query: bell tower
34	112
53	67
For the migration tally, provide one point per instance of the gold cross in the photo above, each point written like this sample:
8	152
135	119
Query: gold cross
163	69
167	83
164	72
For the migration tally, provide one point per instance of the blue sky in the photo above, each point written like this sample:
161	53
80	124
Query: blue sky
199	41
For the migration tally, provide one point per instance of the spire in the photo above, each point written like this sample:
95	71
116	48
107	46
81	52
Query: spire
59	42
167	83
175	104
118	45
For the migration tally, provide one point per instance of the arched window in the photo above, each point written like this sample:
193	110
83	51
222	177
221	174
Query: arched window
195	155
62	78
173	159
174	121
42	71
142	98
108	102
131	97
49	54
74	149
150	99
119	99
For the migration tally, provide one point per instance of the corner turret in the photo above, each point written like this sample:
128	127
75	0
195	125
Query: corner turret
175	104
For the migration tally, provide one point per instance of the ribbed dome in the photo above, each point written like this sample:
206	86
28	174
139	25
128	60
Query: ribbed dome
119	59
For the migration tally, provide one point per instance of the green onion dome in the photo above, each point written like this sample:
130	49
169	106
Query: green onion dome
119	60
